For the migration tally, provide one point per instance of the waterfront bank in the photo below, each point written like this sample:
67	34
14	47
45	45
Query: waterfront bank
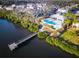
10	32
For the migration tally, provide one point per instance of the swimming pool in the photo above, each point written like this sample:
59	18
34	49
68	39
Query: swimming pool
53	23
49	21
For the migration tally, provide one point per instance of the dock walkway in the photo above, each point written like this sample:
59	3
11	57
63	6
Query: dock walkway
15	45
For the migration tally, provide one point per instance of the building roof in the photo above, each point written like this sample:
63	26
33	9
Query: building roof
0	6
62	10
58	17
8	7
30	6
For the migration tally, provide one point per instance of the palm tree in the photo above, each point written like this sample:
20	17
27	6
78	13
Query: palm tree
71	16
67	22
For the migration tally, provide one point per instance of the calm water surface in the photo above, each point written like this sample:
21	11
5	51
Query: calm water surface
34	47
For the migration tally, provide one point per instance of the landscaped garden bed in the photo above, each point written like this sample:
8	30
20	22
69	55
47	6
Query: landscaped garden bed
71	36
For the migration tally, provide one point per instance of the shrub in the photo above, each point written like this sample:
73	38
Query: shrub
25	23
33	27
49	40
42	35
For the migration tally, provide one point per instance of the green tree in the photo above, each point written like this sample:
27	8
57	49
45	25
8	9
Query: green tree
49	40
42	35
67	22
75	21
33	27
70	15
25	23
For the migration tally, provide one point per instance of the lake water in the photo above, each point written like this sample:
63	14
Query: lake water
34	47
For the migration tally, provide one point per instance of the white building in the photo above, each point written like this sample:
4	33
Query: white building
13	5
39	6
62	11
0	6
58	17
30	6
10	7
20	8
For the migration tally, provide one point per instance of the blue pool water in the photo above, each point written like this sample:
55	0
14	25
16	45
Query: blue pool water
49	21
54	24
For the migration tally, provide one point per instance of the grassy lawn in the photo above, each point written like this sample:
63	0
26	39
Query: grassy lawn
71	36
63	45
